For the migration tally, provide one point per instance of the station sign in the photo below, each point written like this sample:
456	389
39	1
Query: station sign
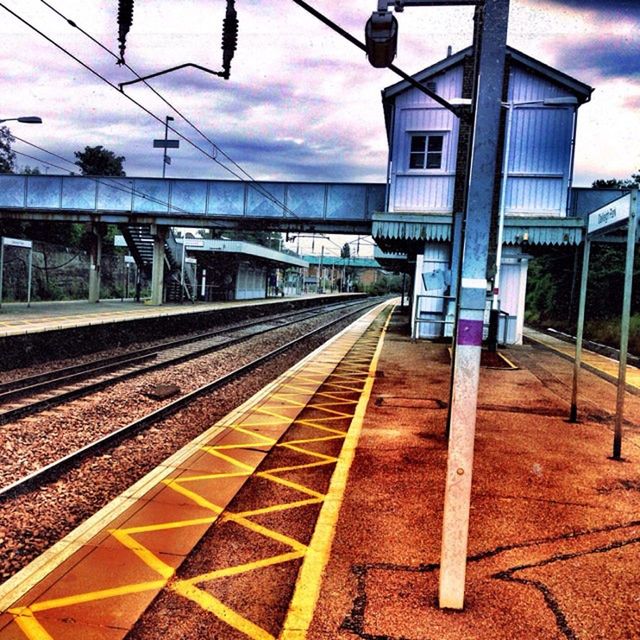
15	242
166	144
191	261
611	214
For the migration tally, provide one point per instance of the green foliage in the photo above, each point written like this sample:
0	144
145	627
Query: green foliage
98	161
7	155
385	284
615	183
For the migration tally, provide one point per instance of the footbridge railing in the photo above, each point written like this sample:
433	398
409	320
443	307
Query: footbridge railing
185	202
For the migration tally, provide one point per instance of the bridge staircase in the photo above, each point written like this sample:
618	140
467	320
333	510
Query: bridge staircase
140	244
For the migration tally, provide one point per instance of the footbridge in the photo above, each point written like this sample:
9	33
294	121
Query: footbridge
284	206
145	209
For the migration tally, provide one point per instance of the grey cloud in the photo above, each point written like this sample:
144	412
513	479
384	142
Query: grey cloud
608	58
629	7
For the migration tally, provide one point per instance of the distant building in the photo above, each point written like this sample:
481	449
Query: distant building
428	150
335	274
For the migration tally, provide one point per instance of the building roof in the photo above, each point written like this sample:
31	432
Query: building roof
394	231
246	248
337	261
580	90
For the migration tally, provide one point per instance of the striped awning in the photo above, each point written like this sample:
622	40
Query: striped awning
393	227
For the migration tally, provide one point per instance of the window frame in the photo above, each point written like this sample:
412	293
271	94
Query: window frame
425	152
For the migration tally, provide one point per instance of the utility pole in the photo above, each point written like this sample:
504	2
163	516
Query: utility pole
472	293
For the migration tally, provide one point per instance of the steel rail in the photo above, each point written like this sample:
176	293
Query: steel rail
144	356
53	468
48	375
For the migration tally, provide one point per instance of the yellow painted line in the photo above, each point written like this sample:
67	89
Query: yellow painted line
31	628
337	436
148	557
20	584
245	568
214	606
279	507
307	589
213	450
267	533
315	454
290	485
92	596
178	524
176	485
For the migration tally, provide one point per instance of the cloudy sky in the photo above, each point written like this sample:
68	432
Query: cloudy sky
302	103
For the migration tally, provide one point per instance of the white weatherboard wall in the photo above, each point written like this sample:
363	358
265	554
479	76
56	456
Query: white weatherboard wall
513	288
424	190
540	154
432	280
250	282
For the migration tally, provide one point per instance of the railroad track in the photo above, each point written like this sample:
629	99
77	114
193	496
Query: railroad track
29	395
94	448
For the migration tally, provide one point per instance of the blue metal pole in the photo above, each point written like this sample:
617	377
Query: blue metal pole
472	304
624	325
577	361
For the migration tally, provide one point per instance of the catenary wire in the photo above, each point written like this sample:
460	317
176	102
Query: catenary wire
250	181
155	91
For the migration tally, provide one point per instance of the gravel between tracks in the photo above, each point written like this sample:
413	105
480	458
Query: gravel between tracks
32	522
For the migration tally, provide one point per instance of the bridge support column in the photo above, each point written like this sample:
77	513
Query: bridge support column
157	275
95	258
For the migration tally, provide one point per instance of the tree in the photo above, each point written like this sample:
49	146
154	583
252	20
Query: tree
98	161
615	183
7	155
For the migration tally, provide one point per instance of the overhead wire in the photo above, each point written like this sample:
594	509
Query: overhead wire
249	180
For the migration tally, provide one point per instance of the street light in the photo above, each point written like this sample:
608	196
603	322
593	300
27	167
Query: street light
24	119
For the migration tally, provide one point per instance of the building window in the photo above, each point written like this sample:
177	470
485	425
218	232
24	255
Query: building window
426	151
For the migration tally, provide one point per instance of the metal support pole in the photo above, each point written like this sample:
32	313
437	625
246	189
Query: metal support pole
184	248
164	153
1	267
29	273
455	528
95	259
577	361
624	325
157	274
495	307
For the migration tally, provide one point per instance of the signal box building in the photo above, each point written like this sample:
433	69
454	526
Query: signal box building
428	150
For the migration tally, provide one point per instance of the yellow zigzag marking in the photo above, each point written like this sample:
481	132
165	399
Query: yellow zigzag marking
336	384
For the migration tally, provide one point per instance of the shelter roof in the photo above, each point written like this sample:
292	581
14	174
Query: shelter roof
245	248
337	261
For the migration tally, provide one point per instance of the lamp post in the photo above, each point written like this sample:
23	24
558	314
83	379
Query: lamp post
23	119
166	144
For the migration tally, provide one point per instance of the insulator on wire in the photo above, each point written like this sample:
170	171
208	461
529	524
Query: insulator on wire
125	20
229	36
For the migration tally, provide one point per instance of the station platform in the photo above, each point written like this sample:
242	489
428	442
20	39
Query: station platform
17	318
65	330
287	550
